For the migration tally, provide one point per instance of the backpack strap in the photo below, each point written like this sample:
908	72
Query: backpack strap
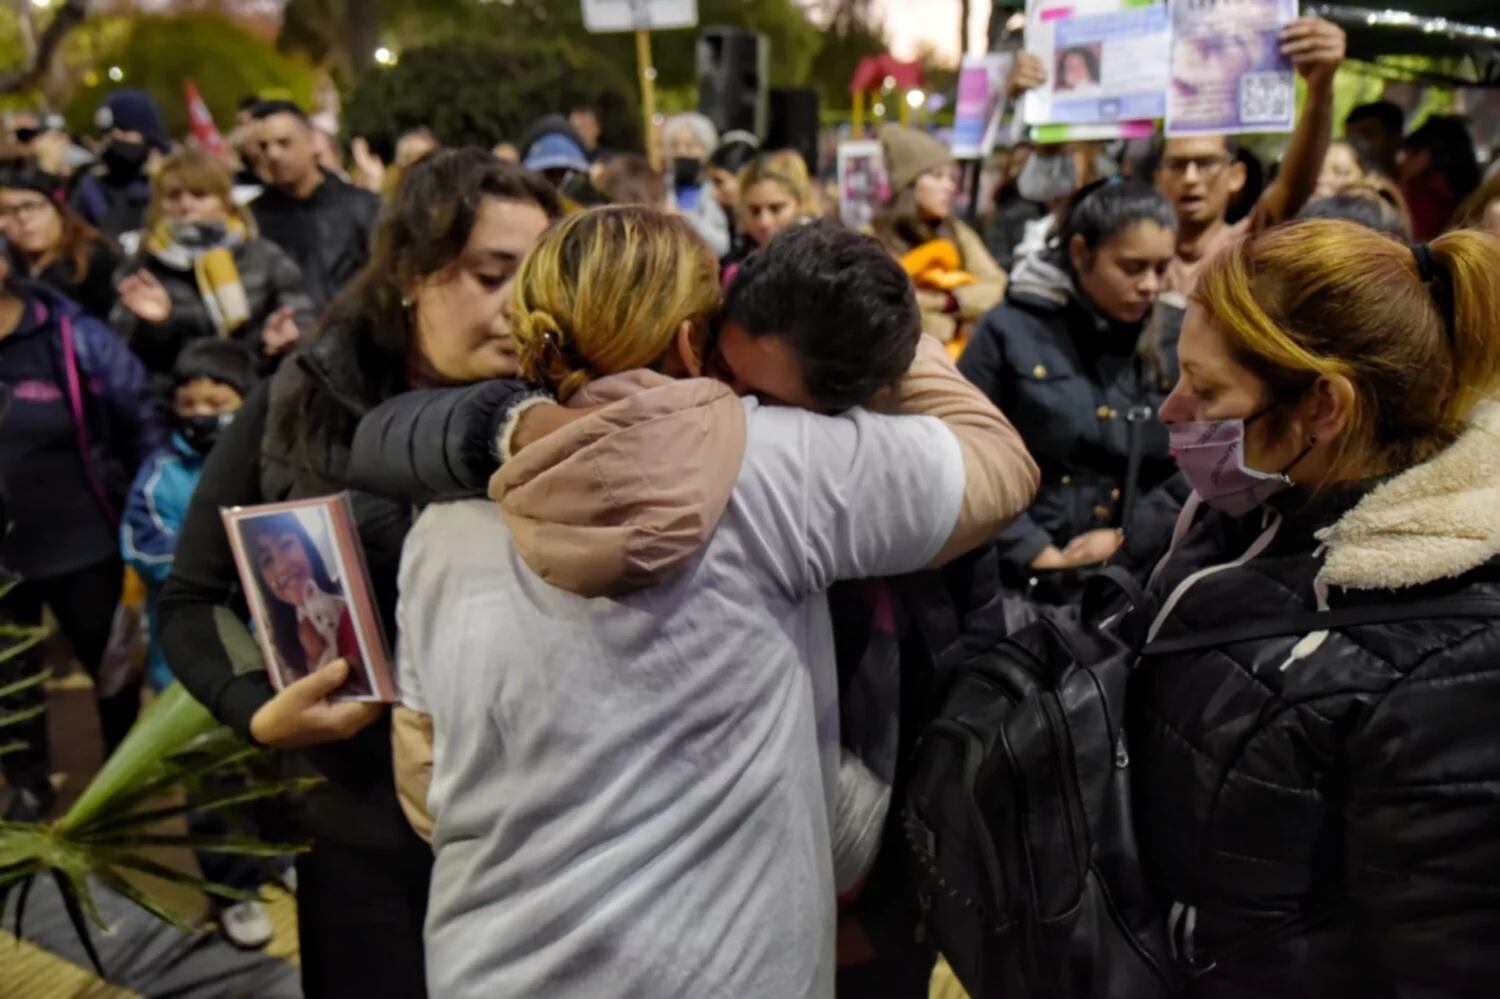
80	423
1478	608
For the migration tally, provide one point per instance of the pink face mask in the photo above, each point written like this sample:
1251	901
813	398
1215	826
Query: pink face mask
1212	456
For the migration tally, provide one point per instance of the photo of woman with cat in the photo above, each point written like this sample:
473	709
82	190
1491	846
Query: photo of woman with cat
304	608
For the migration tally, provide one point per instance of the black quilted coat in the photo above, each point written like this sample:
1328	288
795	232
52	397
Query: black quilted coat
1319	815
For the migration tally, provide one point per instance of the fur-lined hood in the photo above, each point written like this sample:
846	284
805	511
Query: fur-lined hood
1435	521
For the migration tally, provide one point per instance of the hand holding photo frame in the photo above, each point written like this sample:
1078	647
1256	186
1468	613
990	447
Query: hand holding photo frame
309	594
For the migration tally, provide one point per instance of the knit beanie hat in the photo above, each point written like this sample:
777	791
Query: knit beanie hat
228	362
702	128
909	154
133	111
30	178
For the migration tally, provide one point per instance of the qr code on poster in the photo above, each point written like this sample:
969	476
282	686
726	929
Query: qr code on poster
1266	97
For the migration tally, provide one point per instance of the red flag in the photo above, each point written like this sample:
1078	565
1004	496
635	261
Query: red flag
205	132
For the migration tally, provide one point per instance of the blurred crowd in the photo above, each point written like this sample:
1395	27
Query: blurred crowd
762	481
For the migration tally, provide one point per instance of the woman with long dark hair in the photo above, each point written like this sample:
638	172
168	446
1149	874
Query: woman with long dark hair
1079	357
52	242
430	308
310	621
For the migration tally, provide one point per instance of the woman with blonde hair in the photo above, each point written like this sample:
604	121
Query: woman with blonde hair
775	193
202	272
627	675
1313	738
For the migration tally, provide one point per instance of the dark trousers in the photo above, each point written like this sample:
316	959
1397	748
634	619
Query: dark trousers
84	604
359	919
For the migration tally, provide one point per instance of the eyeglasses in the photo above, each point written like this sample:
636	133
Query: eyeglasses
27	209
1205	164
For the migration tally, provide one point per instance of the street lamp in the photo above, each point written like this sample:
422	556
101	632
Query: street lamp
385	56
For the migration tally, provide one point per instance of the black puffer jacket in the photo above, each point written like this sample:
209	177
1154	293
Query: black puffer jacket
1319	815
1070	381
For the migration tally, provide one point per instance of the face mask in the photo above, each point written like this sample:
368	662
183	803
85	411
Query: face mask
1212	456
1047	178
125	159
198	233
686	171
202	431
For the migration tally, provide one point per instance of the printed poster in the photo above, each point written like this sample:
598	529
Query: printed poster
1107	61
981	102
864	184
1228	74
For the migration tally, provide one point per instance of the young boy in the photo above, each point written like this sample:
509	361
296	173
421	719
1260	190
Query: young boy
210	381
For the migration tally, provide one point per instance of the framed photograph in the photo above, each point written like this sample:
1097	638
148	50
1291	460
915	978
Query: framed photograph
309	593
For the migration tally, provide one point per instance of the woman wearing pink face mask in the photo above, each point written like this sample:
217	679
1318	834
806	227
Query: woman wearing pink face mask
1308	778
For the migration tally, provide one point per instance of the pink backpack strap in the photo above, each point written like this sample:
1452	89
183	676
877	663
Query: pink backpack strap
80	425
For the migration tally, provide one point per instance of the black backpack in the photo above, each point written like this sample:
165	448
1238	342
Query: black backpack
1017	811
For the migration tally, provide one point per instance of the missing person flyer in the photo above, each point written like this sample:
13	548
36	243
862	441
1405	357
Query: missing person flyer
1228	74
1107	61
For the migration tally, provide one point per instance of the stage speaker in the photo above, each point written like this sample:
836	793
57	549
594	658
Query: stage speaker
732	78
794	123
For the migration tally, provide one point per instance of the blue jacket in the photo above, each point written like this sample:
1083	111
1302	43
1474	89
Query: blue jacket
64	503
154	512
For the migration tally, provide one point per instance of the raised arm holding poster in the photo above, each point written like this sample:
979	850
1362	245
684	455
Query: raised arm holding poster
1107	61
1228	73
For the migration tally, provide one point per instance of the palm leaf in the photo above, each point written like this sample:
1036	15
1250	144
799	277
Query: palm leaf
26	884
244	846
25	714
35	680
151	867
163	912
207	803
165	777
24	642
13	747
75	909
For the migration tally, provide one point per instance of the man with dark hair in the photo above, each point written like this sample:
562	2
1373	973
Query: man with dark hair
1377	128
1200	174
787	332
323	223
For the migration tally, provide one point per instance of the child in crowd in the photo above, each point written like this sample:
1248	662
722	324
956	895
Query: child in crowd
210	381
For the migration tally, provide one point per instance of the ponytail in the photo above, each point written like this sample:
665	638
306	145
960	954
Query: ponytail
1415	332
1464	282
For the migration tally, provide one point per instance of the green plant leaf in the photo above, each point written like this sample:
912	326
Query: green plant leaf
75	909
140	898
138	863
35	680
26	714
13	747
238	845
169	775
227	799
26	884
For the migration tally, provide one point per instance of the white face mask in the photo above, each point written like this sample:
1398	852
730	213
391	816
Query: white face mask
1047	178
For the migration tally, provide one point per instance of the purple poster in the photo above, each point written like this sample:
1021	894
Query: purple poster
1228	74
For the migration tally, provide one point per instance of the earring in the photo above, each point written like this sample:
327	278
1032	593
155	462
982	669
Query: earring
1312	441
406	303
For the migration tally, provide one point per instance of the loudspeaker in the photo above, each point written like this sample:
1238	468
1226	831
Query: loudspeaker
794	123
732	78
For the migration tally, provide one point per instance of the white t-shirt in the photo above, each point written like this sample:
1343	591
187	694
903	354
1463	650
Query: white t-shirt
631	796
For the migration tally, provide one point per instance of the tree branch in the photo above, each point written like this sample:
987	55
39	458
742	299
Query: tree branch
69	16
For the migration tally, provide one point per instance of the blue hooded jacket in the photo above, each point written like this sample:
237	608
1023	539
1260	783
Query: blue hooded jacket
154	513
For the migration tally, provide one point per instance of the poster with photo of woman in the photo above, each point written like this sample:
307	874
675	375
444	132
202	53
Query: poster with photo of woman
309	594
